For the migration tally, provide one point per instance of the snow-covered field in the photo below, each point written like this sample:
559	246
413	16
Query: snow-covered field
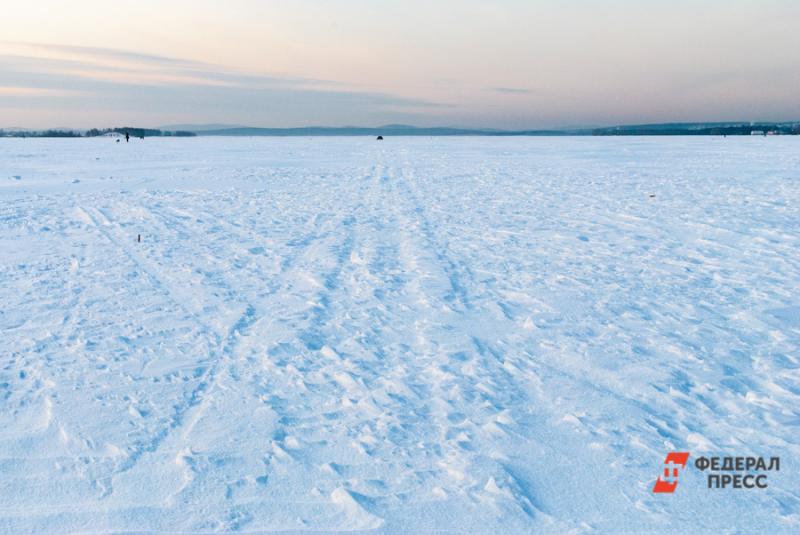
419	335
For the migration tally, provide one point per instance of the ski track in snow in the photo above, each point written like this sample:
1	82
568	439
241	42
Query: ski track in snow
418	335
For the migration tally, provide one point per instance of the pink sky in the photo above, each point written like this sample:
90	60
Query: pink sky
503	64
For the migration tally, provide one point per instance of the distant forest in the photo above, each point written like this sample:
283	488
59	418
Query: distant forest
94	132
699	129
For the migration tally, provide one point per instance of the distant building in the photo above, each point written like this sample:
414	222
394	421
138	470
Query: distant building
757	133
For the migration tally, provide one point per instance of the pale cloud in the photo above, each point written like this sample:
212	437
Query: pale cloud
35	92
512	90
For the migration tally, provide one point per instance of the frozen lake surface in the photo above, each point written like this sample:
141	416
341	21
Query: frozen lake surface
423	334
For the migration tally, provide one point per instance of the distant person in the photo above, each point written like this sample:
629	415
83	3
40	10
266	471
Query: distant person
380	138
127	137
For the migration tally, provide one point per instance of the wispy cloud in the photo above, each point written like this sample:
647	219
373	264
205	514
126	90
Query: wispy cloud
104	62
19	91
99	79
512	90
111	54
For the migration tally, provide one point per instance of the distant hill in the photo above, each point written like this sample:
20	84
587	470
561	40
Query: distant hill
198	127
666	129
395	130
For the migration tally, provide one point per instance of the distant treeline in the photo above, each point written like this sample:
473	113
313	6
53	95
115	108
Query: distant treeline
138	132
781	129
94	132
40	133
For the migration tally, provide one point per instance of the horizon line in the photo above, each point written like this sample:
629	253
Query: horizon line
222	127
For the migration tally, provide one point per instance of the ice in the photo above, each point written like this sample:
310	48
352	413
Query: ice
483	335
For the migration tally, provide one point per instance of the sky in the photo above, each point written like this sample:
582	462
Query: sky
509	64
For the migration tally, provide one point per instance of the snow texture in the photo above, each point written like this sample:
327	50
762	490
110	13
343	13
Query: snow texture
466	335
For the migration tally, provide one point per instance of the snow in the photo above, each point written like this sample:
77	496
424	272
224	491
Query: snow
477	335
